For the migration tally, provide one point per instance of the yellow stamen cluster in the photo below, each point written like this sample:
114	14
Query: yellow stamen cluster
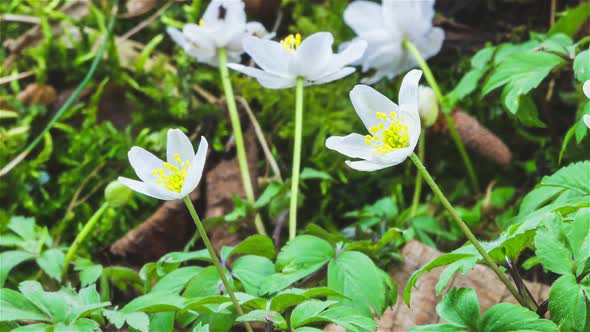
201	23
173	178
291	42
390	134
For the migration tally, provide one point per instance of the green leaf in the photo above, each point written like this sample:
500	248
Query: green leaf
116	318
441	260
181	257
270	192
582	66
349	318
303	251
507	317
10	259
460	307
356	276
307	329
90	274
572	20
280	302
205	282
437	328
155	302
24	227
138	320
162	321
521	72
466	86
483	57
55	304
279	281
264	316
14	306
252	271
259	245
51	262
567	304
464	265
176	280
34	328
578	235
550	249
308	311
310	174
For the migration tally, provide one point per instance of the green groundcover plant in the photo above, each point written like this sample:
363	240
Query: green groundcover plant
347	220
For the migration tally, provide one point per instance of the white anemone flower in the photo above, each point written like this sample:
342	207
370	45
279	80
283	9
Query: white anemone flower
174	179
223	26
394	130
312	59
428	107
385	27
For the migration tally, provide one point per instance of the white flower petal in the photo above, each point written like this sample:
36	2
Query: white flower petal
332	77
313	55
409	93
178	143
411	17
363	16
224	20
394	157
177	36
269	55
193	176
352	145
367	102
587	120
198	36
429	44
365	166
267	80
347	56
144	163
586	88
149	190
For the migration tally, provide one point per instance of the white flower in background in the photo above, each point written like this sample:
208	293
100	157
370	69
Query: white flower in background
428	107
312	59
394	130
223	26
170	180
385	27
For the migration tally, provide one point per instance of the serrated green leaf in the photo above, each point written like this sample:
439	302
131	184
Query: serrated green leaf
176	280
252	271
582	66
567	304
308	311
507	317
460	307
51	262
550	248
264	316
355	275
10	259
349	318
572	20
24	227
138	320
90	274
259	245
14	306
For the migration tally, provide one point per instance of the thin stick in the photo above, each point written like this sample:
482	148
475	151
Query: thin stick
465	229
19	76
296	158
450	122
214	259
239	137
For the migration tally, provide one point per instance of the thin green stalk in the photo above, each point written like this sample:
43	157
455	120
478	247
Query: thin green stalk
214	259
239	137
450	122
296	158
82	235
418	183
68	102
465	229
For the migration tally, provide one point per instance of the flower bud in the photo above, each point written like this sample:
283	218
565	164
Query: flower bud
117	194
428	106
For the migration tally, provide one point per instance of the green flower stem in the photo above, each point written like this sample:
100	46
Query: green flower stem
239	137
465	229
296	158
82	235
214	259
450	122
73	97
418	183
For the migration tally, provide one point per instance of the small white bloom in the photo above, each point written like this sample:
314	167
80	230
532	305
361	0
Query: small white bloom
428	107
170	180
394	130
223	26
385	27
312	59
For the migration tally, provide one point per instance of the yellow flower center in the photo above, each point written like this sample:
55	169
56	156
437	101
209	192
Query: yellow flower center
173	178
291	42
201	23
391	134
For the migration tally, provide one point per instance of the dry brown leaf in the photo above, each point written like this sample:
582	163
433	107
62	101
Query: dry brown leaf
38	94
139	7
